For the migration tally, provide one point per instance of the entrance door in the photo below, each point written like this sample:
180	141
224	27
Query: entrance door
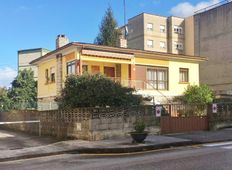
109	72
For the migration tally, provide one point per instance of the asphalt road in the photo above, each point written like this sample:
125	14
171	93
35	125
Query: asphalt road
210	157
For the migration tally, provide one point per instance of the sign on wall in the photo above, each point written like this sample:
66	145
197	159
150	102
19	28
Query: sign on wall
158	110
214	108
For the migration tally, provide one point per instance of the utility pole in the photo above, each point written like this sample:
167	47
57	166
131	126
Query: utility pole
124	5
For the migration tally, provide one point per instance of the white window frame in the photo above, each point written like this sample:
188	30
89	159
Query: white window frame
149	26
178	29
162	44
162	28
150	43
178	46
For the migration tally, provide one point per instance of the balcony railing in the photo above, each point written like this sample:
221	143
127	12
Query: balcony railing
142	84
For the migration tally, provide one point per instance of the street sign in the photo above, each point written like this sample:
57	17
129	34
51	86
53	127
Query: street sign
158	110
214	108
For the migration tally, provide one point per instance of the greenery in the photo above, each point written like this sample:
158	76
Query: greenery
109	33
23	93
139	126
95	90
194	94
5	102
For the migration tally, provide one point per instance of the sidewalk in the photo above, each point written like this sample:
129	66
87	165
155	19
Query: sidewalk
118	145
122	145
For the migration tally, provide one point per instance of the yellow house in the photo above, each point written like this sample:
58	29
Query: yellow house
155	74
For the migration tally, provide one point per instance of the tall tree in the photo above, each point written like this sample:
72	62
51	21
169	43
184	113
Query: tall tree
23	93
108	32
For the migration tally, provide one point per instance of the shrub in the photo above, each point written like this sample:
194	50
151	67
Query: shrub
194	94
95	90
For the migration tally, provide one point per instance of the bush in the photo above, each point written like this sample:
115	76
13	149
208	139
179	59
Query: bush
194	94
95	90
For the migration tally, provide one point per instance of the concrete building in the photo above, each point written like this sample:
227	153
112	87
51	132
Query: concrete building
28	55
213	39
156	33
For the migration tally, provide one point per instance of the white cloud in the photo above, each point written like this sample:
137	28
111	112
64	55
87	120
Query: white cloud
7	75
186	9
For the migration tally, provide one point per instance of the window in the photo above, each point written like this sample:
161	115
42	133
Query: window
184	75
157	78
162	28
150	43
71	67
84	68
178	29
162	44
52	74
46	76
150	26
178	46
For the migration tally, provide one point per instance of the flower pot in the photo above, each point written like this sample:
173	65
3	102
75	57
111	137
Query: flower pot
138	137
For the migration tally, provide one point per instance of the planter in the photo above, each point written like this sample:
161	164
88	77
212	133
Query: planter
138	137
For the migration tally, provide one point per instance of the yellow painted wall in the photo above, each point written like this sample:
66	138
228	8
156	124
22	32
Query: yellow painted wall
147	61
46	90
174	85
175	88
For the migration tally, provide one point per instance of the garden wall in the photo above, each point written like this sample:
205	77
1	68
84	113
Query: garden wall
84	123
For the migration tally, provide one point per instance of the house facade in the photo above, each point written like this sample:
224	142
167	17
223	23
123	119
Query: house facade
153	74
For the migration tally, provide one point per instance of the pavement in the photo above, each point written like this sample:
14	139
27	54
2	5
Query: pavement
117	145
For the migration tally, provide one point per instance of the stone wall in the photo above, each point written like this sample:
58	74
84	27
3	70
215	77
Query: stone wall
84	123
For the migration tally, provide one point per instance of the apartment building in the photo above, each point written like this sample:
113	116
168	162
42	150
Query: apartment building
212	38
156	33
28	55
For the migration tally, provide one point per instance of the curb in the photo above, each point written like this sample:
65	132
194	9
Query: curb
109	150
101	150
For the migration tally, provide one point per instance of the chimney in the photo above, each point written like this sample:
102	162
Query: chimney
61	40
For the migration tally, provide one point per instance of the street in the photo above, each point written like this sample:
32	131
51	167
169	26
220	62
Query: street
208	157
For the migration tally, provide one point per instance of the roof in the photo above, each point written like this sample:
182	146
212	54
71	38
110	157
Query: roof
136	52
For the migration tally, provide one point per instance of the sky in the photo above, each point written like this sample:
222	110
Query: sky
29	24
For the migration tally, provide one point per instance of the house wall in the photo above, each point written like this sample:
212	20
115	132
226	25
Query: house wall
175	37
175	88
213	39
189	36
46	89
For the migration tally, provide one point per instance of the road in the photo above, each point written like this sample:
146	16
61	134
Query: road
210	157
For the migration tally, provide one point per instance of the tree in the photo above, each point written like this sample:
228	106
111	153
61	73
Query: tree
197	95
23	93
109	33
5	103
95	90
